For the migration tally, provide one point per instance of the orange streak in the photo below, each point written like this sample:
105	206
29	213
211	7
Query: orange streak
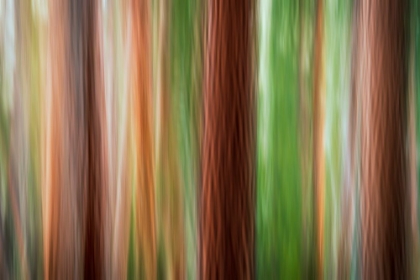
143	121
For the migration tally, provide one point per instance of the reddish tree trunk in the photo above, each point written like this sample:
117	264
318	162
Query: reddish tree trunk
74	164
95	184
143	117
382	81
228	159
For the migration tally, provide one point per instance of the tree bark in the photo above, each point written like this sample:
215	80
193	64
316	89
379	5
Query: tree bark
75	186
382	82
143	115
228	158
95	187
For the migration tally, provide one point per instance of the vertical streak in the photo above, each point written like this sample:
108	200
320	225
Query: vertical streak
94	241
3	149
416	38
170	187
349	229
24	143
305	138
413	162
143	119
318	138
185	83
116	57
73	236
228	156
412	135
382	81
53	147
19	150
412	172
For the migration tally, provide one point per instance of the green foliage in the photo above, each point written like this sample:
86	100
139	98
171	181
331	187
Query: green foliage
185	74
278	218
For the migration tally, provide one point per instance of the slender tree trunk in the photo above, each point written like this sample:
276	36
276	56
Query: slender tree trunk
143	110
228	159
382	81
52	175
93	112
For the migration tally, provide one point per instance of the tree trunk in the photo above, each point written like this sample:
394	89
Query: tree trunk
93	107
143	115
228	158
74	232
382	82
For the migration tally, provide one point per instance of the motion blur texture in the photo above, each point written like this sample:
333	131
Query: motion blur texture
209	139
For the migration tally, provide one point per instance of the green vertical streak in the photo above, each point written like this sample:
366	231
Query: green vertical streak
278	220
132	268
4	135
28	161
4	149
34	215
337	73
185	85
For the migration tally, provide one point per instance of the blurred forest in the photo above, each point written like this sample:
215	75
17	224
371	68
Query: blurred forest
215	139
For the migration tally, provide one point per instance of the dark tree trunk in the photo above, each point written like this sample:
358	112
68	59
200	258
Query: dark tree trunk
74	233
382	81
228	159
74	183
94	188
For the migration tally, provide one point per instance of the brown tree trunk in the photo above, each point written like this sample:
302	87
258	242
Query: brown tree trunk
74	185
228	159
93	112
382	81
52	171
